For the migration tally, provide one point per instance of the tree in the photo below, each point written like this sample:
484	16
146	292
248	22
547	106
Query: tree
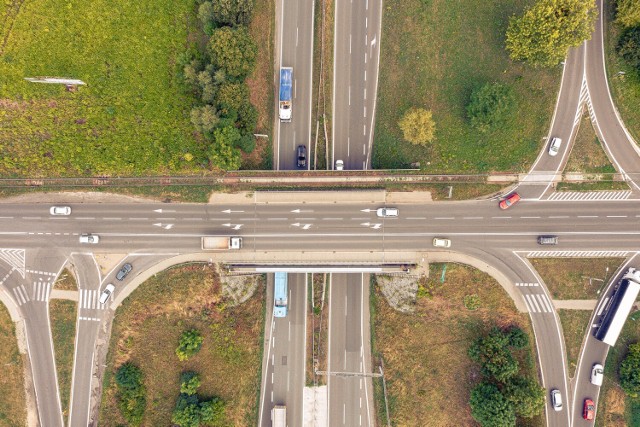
232	12
189	383
493	354
546	31
490	105
526	396
187	412
629	47
628	13
418	126
190	343
629	371
131	393
222	152
212	412
517	337
232	95
204	118
233	50
490	408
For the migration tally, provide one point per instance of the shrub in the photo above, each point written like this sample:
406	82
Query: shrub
628	13
204	118
490	408
233	51
518	338
493	354
630	371
190	381
526	396
629	47
490	105
417	126
131	393
190	343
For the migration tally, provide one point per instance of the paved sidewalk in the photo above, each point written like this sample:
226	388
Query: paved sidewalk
575	304
60	294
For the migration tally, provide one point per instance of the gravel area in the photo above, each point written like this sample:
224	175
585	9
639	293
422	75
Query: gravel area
239	288
399	290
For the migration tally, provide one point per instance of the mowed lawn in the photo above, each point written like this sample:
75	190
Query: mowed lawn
13	406
146	332
133	115
434	53
428	373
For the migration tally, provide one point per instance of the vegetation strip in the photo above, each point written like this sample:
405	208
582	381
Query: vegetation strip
63	317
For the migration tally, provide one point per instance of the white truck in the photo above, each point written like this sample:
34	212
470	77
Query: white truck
279	416
286	82
221	243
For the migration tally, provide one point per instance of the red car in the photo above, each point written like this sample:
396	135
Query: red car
589	410
510	200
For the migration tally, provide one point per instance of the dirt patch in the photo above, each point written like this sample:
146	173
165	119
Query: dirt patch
66	281
107	262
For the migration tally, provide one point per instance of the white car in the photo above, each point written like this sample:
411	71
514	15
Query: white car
554	147
89	238
106	294
597	374
60	210
440	242
556	399
339	165
387	212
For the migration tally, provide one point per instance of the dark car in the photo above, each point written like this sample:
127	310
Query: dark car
302	156
510	200
589	410
126	269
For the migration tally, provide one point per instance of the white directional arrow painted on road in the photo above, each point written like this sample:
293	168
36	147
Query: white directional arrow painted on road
300	210
304	226
235	226
376	226
366	210
161	210
373	225
166	226
230	211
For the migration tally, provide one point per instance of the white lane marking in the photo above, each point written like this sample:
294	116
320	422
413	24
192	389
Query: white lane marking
559	216
88	218
444	217
616	216
529	217
475	217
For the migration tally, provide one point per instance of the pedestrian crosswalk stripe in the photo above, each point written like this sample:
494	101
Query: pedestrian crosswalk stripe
590	195
538	303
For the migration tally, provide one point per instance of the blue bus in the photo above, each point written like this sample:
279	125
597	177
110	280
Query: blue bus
280	301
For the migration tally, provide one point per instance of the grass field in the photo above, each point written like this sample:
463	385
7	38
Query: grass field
574	326
625	90
429	375
568	278
615	409
146	331
13	409
434	54
132	117
587	155
62	315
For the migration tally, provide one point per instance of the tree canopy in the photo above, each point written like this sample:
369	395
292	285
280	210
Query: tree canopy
490	105
629	47
546	31
526	395
417	126
493	353
490	408
233	50
628	13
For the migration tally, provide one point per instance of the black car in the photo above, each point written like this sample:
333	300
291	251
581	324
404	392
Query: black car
126	269
302	156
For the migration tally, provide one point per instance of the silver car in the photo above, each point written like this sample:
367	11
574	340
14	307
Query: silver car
554	147
89	238
556	399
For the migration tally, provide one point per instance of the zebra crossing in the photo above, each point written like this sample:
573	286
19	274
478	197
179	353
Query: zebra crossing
538	303
89	299
577	254
40	292
590	195
527	284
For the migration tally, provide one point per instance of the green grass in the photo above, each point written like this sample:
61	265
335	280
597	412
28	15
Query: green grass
574	326
569	278
429	375
63	329
133	115
146	331
13	407
625	90
587	155
434	54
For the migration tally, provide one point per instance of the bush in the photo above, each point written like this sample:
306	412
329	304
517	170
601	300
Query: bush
526	396
189	383
490	105
629	47
490	408
630	371
493	354
204	118
131	393
233	51
518	338
417	126
190	343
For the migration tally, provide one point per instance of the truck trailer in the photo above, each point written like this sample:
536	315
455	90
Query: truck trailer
286	84
221	243
279	416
